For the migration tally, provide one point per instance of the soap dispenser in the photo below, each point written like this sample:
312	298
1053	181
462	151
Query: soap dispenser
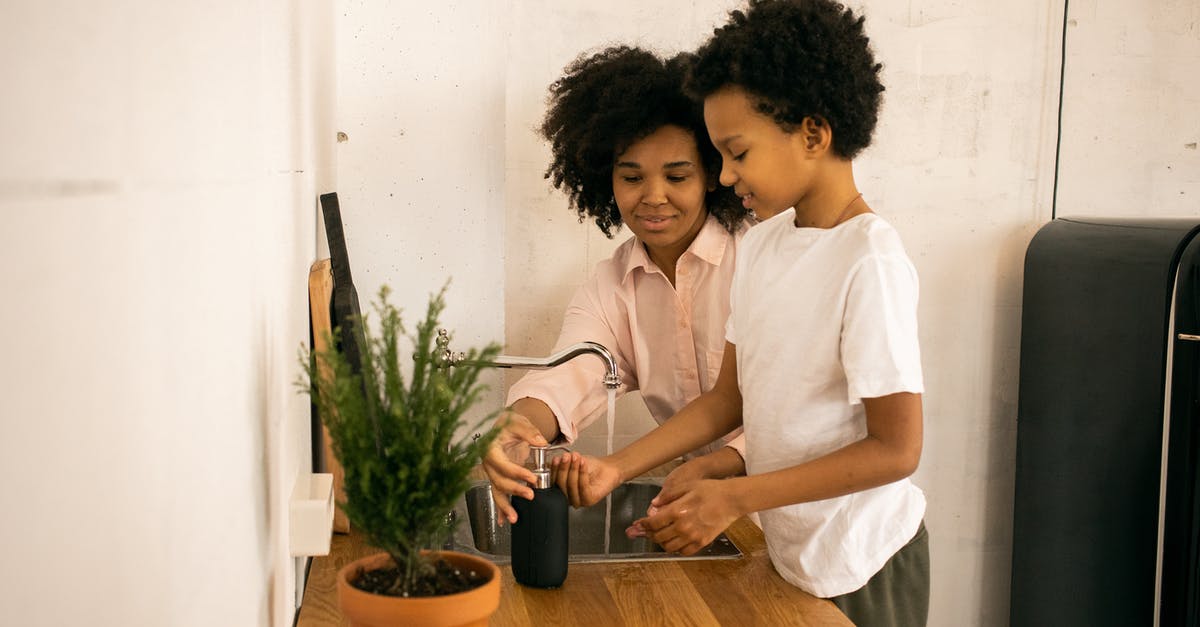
539	537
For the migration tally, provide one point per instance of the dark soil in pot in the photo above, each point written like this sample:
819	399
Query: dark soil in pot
446	579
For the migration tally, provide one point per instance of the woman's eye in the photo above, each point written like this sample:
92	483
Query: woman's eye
740	156
677	178
631	179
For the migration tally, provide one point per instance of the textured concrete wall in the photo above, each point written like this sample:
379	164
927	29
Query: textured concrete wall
963	164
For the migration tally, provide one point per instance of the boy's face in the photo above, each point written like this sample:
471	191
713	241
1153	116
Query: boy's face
769	168
659	185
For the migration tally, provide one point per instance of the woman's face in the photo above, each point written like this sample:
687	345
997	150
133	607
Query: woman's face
659	185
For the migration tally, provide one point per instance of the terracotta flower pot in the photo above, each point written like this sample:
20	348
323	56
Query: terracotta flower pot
465	609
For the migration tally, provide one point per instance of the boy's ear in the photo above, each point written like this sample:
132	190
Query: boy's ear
816	134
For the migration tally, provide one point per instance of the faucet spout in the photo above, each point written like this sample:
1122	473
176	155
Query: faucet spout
612	379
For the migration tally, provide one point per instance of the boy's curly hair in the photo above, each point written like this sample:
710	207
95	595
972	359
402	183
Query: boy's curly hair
797	59
605	103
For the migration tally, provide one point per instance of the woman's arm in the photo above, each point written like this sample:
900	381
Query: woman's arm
568	396
529	422
549	404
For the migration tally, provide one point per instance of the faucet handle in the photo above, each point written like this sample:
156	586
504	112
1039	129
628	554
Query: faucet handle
442	355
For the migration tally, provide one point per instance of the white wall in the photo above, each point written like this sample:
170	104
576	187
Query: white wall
959	166
158	174
421	171
158	178
1130	122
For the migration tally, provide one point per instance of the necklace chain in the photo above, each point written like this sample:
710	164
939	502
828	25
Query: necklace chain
841	216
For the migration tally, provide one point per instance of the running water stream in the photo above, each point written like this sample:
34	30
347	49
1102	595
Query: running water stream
612	416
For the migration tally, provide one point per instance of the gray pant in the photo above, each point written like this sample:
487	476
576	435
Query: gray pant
898	595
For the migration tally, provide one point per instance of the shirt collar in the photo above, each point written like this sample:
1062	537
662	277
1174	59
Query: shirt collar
709	246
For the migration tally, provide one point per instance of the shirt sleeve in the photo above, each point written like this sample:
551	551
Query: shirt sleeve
734	284
880	349
574	391
738	443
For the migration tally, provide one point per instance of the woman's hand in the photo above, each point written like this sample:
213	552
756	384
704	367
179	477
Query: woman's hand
585	480
504	462
689	517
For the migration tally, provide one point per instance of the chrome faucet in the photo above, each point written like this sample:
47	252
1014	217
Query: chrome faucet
443	356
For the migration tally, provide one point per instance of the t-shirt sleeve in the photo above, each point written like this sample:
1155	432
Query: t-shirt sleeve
880	349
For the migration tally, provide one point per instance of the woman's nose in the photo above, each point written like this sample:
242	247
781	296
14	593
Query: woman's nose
655	195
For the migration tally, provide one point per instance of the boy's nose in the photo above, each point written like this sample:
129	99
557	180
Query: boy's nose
727	177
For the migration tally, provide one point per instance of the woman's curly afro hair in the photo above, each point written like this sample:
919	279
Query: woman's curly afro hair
605	103
797	59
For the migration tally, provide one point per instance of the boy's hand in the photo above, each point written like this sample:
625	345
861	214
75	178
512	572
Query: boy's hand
685	473
504	459
690	517
585	480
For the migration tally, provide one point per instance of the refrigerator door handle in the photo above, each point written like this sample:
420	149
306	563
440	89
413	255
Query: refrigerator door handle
1188	337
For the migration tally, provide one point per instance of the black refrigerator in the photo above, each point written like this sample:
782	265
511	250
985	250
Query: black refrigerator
1106	521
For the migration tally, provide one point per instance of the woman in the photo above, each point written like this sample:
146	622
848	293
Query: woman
630	148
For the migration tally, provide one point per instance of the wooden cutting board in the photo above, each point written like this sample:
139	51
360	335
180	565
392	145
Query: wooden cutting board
320	292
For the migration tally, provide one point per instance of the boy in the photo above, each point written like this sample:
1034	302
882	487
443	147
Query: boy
822	366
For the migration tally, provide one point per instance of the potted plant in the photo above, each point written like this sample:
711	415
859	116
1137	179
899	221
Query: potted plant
395	436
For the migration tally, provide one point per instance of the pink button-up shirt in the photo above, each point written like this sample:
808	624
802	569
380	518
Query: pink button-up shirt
668	341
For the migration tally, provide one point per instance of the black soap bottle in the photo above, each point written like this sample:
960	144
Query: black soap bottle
539	537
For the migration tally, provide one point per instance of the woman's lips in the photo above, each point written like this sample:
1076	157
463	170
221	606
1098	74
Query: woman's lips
747	199
655	223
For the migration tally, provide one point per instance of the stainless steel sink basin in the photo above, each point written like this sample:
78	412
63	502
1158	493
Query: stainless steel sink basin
592	537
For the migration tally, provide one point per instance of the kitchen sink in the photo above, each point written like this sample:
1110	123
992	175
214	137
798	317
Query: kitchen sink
597	533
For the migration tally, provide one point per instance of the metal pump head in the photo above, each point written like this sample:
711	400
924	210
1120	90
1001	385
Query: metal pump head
541	466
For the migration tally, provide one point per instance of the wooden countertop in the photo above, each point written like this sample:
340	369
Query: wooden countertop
744	591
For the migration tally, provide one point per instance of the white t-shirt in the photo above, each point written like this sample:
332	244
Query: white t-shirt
823	318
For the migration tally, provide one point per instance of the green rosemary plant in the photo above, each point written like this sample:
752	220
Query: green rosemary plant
395	437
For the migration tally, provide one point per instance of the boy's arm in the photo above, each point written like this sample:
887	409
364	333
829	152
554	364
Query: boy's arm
712	415
890	452
690	517
719	464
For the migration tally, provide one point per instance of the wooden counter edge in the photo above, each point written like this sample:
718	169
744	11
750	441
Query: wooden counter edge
761	595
